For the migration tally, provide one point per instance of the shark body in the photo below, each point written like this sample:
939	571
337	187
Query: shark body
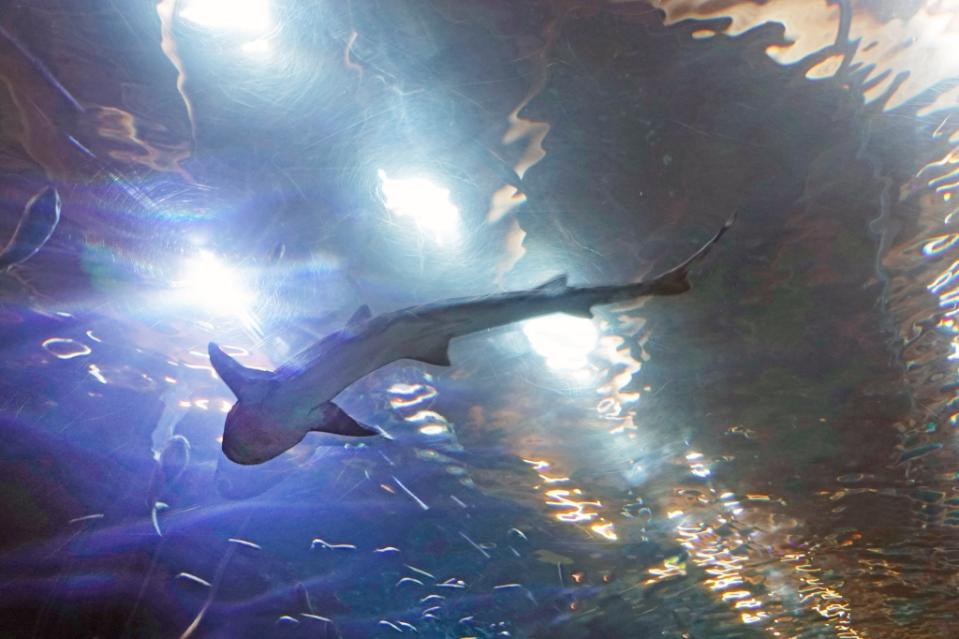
275	410
37	223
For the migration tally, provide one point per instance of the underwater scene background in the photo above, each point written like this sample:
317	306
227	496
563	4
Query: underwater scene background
771	454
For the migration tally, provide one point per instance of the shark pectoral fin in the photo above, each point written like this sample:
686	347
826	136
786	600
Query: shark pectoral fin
436	354
580	312
336	421
362	314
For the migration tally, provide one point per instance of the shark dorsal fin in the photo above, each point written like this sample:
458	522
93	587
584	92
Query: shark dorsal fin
362	314
556	284
250	385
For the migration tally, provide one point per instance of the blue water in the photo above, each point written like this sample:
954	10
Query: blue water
768	454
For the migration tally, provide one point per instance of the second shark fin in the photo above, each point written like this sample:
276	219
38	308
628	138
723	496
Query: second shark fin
248	384
362	314
555	285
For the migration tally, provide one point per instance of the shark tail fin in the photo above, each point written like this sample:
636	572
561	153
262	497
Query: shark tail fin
676	280
250	385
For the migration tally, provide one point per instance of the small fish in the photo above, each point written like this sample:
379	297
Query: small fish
39	218
275	410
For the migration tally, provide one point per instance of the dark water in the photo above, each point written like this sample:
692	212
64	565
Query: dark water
770	454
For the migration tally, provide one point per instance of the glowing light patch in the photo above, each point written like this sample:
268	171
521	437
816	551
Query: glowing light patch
247	16
427	204
433	429
564	341
94	370
607	531
65	348
260	46
208	284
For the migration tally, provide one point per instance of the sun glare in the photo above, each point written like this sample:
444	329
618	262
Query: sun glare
206	283
246	16
427	204
564	341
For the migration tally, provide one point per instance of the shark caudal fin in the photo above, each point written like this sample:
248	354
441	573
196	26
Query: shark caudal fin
250	385
676	280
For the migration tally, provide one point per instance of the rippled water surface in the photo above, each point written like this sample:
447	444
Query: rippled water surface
771	454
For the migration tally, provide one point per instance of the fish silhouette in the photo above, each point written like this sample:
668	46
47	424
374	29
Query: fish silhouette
275	410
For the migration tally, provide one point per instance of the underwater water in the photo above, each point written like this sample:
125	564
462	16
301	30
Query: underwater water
770	454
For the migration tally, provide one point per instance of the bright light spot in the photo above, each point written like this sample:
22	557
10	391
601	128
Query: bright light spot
537	464
564	341
607	531
248	16
260	46
433	429
208	284
429	205
97	373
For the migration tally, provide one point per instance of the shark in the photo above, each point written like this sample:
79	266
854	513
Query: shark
276	409
37	222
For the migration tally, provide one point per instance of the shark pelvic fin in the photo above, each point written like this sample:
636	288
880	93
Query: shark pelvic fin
362	314
248	384
336	421
555	285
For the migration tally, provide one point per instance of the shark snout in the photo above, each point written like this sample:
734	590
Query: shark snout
253	435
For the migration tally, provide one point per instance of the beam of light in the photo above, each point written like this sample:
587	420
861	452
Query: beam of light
427	204
564	341
243	16
207	284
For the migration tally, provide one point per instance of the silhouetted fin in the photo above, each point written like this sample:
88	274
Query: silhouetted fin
557	284
436	353
676	280
578	311
248	384
336	421
362	314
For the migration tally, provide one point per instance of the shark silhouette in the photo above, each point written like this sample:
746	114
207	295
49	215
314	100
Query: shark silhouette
275	410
